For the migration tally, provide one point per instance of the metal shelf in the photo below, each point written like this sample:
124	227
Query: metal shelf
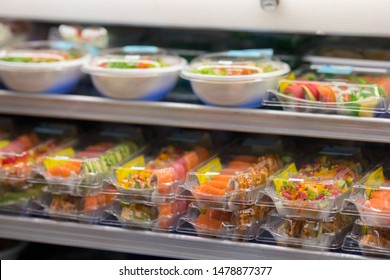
325	17
196	116
148	243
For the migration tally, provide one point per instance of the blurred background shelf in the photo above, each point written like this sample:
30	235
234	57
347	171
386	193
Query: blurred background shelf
148	243
196	116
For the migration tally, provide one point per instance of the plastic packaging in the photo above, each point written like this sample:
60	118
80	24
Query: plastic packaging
370	197
350	55
154	175
83	167
42	66
368	240
234	78
161	217
335	97
347	74
305	233
313	186
224	224
230	180
20	155
135	72
85	208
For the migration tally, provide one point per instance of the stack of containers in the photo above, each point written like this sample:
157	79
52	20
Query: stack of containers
370	199
223	191
235	78
146	185
72	179
307	195
18	157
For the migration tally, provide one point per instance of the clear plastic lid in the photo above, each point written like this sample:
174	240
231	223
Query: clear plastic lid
51	55
85	208
225	224
315	185
305	233
155	174
20	155
230	180
16	201
134	61
370	198
334	97
235	66
161	217
368	240
81	168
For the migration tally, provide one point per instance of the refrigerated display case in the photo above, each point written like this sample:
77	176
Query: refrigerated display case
288	17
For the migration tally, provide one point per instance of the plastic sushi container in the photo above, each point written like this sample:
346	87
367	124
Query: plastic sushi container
368	240
80	207
231	179
329	97
370	197
147	215
19	155
135	72
83	167
18	158
234	78
224	224
347	74
155	174
314	186
304	233
350	55
42	66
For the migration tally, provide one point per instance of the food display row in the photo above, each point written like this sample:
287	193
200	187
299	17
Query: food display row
237	78
247	190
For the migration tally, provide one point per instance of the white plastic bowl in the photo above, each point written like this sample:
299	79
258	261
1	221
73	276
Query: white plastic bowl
246	91
135	84
44	77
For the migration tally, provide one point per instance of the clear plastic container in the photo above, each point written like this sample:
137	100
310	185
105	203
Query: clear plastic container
348	74
231	179
350	55
154	175
305	233
135	72
161	217
234	78
370	198
368	240
20	155
335	97
83	167
313	186
42	66
224	224
84	207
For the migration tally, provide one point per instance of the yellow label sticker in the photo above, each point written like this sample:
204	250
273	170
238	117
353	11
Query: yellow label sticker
68	152
213	167
132	168
374	180
137	162
284	176
4	143
59	158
